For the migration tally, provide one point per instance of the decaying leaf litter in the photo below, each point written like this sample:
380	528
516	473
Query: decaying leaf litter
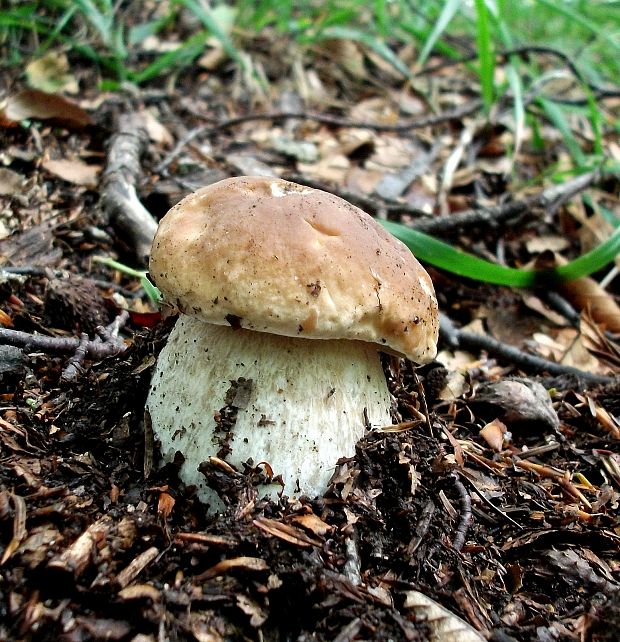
495	493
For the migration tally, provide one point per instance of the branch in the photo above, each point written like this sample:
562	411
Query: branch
119	201
328	119
457	338
94	349
498	213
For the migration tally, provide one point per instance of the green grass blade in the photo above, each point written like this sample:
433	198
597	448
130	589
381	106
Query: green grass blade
592	261
177	58
486	58
208	19
556	116
150	290
449	10
430	250
564	8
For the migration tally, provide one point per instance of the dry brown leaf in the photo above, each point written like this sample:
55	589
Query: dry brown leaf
551	242
288	533
74	171
10	182
32	103
244	563
51	74
19	527
312	523
493	433
586	294
346	54
374	110
258	616
140	592
165	505
332	169
154	129
443	626
597	343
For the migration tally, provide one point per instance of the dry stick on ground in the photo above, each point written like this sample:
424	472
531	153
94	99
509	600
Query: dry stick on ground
499	213
466	516
598	92
119	202
463	339
327	119
93	349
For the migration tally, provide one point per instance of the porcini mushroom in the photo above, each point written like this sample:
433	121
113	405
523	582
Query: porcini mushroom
287	294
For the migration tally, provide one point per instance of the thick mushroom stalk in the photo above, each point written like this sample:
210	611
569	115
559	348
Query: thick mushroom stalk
298	404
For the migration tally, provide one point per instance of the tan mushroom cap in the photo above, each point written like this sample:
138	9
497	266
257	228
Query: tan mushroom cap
277	257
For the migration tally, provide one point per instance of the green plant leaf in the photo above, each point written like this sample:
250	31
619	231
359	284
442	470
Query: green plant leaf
149	289
211	20
486	59
447	13
556	116
430	250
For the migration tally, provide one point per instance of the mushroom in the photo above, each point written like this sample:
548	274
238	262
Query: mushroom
287	294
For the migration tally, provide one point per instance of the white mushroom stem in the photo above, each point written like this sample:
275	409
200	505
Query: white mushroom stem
297	404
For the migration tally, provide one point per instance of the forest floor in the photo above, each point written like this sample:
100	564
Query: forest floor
502	506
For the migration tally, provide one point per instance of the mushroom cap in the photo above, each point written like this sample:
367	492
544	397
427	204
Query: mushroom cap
273	256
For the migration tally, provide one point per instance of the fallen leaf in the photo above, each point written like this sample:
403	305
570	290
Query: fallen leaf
154	129
165	505
140	592
284	531
443	626
10	182
51	74
493	433
243	563
520	401
33	103
74	171
586	294
258	616
312	523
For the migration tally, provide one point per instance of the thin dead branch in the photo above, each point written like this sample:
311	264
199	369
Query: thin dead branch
450	223
94	348
598	92
218	127
466	515
120	204
463	339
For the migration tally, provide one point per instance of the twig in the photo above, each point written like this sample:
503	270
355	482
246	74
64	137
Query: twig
490	504
74	365
597	91
119	201
456	337
466	516
94	349
498	213
48	273
327	119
